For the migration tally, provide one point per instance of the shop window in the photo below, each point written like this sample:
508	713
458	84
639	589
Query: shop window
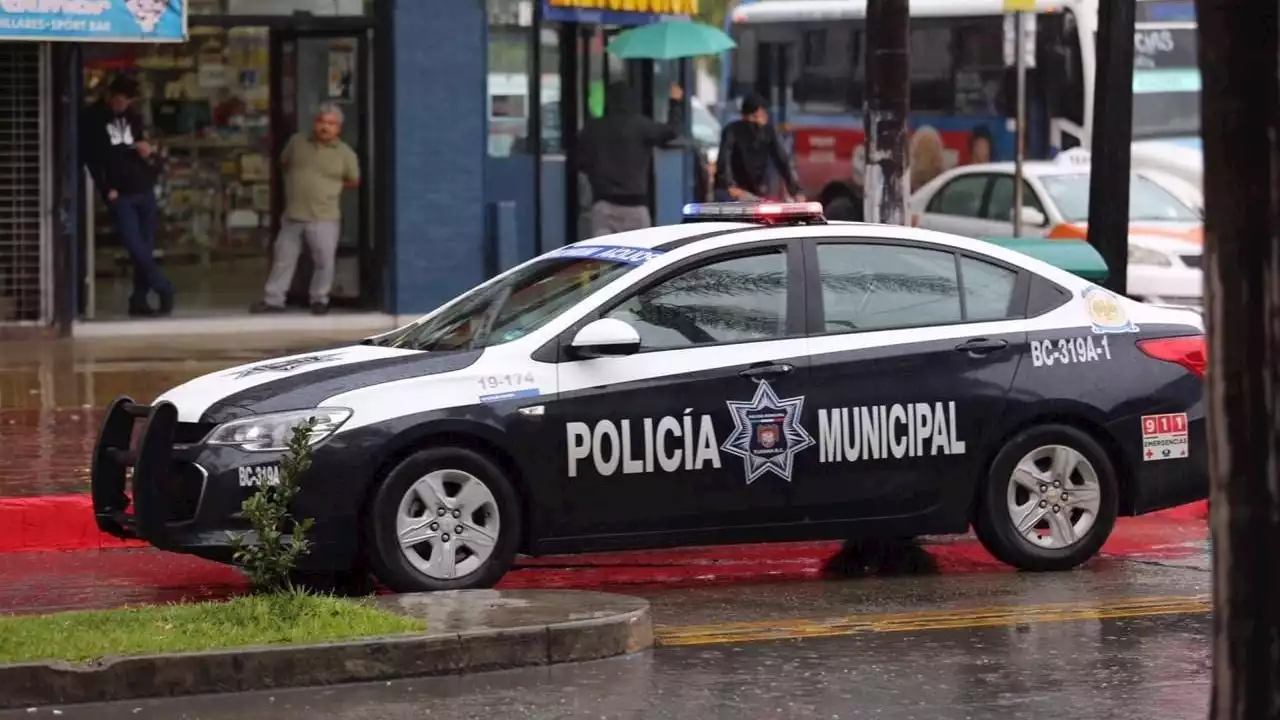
508	82
206	107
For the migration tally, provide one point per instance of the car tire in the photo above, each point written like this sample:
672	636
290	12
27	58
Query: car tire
842	207
473	493
1065	524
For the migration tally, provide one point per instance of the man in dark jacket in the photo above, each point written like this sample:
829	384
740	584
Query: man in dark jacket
747	148
616	154
123	166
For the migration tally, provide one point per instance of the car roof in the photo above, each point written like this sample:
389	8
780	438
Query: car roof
654	238
694	238
1038	168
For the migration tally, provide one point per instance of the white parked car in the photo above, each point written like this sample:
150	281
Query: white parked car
1166	232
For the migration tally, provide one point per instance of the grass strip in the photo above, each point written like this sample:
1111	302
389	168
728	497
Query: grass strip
285	618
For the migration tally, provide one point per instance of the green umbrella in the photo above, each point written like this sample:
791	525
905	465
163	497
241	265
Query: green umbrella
670	40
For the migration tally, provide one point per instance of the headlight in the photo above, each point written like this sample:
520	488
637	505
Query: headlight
1147	256
264	433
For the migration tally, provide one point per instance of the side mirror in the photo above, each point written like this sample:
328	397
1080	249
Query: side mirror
606	337
1032	217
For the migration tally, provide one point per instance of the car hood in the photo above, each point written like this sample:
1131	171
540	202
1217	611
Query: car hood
302	381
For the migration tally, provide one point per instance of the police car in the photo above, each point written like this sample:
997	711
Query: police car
752	374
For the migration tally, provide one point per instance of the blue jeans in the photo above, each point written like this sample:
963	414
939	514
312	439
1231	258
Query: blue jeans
135	219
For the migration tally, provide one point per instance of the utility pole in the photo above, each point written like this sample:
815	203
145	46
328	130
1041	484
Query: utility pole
1110	140
887	105
1020	143
1020	52
1240	125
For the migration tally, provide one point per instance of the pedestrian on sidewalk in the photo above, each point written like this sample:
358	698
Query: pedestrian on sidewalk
317	168
748	147
616	153
124	167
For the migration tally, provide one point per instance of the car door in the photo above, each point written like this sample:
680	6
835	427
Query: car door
998	212
957	206
914	347
662	440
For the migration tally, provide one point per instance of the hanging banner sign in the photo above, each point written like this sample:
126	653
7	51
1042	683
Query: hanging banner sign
615	12
141	21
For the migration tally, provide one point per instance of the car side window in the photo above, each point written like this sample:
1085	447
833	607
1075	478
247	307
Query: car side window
738	299
961	197
878	287
988	289
1000	208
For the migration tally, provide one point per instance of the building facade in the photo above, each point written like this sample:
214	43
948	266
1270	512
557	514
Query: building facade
461	177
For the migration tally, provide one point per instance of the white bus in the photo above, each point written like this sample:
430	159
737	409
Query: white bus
806	58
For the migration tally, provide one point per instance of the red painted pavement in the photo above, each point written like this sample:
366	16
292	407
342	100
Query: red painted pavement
65	522
51	581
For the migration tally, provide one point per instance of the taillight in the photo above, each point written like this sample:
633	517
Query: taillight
1187	351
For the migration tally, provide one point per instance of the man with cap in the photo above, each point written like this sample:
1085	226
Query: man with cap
747	148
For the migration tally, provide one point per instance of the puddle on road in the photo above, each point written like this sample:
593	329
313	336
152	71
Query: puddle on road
53	393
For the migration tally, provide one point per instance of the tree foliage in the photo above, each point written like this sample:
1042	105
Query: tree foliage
270	552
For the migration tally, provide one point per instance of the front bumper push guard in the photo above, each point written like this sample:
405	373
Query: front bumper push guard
150	462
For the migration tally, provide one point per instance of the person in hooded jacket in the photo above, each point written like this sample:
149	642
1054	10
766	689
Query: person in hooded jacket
616	153
124	168
747	148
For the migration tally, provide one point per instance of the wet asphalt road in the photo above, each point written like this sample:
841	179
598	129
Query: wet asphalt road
1117	640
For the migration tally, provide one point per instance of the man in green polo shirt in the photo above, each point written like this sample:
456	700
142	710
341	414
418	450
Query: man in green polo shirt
317	167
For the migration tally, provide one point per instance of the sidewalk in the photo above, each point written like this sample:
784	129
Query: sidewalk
52	393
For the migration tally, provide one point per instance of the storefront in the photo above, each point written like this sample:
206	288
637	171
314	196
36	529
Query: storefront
25	183
220	108
460	177
532	156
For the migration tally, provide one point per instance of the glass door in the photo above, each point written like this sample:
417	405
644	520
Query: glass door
315	68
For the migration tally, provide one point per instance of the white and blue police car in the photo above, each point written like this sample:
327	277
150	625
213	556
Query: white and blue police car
752	374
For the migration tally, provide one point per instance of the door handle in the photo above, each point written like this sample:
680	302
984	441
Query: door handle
982	346
760	372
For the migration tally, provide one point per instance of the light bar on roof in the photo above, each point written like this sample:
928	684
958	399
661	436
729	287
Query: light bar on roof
756	212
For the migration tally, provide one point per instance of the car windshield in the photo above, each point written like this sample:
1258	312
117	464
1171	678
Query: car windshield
508	309
1147	200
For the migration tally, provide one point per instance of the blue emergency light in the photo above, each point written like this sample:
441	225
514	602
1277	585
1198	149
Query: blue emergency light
800	213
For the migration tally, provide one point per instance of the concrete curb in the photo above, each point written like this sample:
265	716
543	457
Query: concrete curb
543	628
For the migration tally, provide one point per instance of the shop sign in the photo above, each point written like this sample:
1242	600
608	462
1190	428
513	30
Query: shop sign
141	21
615	12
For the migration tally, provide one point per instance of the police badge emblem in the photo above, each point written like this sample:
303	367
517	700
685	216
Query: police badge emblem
767	433
767	436
1106	314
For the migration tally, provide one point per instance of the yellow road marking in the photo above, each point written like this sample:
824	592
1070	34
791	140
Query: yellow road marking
958	618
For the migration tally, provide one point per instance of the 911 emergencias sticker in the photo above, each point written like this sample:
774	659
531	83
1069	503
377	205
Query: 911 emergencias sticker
1164	437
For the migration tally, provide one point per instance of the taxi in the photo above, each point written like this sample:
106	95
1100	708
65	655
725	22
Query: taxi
754	373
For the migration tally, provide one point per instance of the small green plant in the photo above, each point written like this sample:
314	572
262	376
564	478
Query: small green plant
270	557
